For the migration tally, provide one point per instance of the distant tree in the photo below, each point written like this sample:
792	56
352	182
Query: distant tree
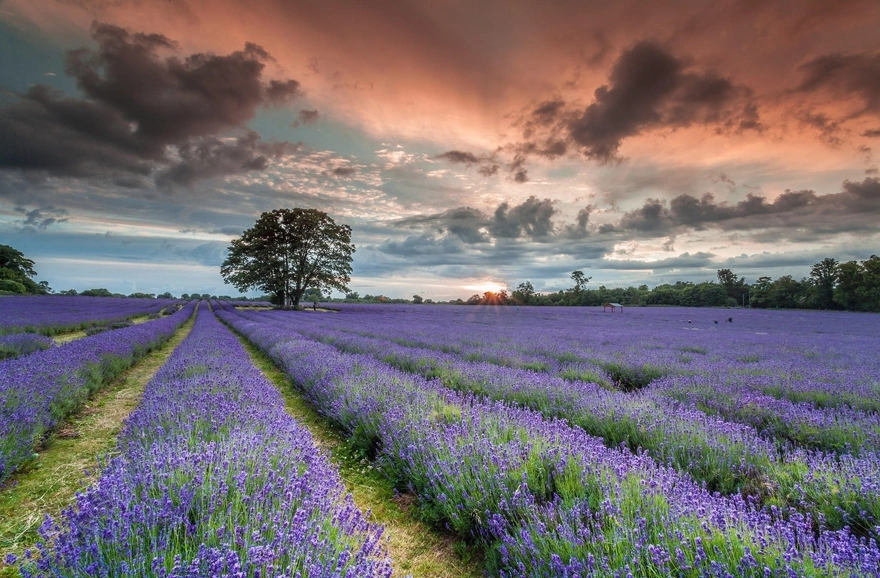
70	292
353	296
289	250
473	299
166	295
580	281
788	292
824	276
99	292
524	293
734	285
16	272
417	299
870	290
142	296
761	296
850	279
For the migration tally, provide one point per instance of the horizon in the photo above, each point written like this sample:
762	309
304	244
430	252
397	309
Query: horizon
467	145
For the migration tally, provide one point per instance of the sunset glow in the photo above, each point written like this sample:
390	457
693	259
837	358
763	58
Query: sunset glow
485	286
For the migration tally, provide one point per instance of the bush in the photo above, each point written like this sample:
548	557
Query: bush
13	287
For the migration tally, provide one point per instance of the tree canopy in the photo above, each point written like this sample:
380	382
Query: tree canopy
288	251
16	272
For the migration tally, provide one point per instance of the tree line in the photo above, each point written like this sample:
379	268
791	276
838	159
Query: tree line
850	286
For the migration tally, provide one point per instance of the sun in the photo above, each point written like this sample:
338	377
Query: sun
486	285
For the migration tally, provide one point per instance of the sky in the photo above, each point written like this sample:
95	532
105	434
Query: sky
470	145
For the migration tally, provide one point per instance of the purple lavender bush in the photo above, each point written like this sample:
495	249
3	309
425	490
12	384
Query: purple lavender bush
545	498
16	344
39	390
52	314
213	479
726	455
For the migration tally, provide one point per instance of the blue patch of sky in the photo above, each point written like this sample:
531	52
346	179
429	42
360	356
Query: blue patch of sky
325	134
26	59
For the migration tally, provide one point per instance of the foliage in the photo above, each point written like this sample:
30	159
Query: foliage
288	251
852	286
16	272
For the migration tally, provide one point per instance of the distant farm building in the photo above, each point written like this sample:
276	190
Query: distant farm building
614	307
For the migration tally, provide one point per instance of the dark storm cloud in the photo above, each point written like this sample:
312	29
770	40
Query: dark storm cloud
844	211
578	230
648	88
345	171
305	117
531	219
140	99
66	136
683	261
211	157
845	75
487	165
469	225
41	218
459	157
828	129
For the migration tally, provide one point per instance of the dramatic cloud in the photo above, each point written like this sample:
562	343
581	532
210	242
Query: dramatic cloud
487	165
648	88
792	209
828	129
41	218
345	171
211	157
306	117
141	100
459	157
846	75
684	261
529	219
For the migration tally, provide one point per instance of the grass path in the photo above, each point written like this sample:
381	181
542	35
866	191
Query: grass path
80	333
71	459
415	548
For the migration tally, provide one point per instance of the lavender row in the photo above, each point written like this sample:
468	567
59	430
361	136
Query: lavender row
848	427
39	390
52	314
15	344
818	357
500	474
839	429
726	456
213	478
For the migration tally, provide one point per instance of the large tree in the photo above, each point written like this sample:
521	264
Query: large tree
288	251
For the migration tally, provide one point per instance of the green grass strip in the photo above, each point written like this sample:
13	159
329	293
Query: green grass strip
71	458
416	548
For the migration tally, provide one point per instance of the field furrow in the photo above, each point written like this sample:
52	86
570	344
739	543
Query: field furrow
543	497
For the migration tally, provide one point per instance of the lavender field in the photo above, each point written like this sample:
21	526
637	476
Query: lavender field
553	441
